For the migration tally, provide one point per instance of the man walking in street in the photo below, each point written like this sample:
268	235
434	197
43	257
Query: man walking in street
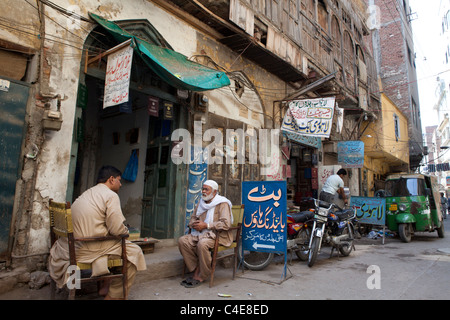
213	213
334	185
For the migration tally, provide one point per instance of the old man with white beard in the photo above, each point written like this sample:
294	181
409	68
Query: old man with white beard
213	213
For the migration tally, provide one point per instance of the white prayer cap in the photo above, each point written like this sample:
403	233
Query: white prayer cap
212	184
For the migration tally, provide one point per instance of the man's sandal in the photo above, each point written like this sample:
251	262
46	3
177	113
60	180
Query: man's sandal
194	283
186	281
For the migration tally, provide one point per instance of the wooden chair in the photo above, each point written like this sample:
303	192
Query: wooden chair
61	226
238	213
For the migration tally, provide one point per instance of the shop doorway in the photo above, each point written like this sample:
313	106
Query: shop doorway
159	182
109	137
303	182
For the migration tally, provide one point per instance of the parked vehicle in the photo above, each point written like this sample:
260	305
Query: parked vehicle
413	205
444	204
332	226
299	232
444	211
298	235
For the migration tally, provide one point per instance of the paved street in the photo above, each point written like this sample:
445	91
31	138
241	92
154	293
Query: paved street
418	270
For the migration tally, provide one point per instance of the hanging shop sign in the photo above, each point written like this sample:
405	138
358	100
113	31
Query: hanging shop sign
117	81
311	117
153	106
168	110
290	133
264	222
351	154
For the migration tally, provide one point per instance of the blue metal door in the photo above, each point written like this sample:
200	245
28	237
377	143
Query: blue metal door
13	101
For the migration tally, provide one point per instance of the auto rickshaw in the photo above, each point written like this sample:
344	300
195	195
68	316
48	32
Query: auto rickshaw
413	205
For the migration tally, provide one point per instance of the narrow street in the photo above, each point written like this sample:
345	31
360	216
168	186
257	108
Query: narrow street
408	271
417	270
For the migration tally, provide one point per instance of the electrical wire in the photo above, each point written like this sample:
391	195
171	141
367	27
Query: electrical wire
267	92
64	11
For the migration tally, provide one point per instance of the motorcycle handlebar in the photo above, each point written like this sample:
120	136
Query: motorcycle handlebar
324	204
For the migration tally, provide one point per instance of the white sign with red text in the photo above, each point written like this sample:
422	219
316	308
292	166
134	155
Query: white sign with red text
117	81
312	117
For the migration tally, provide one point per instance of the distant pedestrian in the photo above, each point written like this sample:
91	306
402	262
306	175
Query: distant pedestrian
333	185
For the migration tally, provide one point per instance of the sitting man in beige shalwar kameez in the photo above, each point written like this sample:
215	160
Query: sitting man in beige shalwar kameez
213	213
97	213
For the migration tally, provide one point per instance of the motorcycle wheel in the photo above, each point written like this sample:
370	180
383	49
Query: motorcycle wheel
314	251
346	249
302	240
254	260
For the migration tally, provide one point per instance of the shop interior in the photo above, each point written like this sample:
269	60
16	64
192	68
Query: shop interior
302	175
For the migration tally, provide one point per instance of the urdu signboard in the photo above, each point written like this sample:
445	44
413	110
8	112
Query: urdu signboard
312	117
369	210
265	216
117	80
351	154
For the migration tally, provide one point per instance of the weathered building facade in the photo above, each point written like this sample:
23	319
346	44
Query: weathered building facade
393	49
386	146
272	52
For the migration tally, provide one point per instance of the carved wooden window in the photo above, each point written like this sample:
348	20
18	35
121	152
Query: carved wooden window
349	61
337	38
289	21
322	15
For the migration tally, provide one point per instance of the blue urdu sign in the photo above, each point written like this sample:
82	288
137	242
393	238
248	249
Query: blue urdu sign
265	216
351	154
198	170
369	210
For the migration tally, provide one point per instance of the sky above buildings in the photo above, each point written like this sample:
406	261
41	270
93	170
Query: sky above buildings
430	54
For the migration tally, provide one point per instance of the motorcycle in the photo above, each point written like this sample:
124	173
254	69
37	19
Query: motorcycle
298	235
332	225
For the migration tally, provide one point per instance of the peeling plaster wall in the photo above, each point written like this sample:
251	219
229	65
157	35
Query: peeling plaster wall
20	18
60	71
60	76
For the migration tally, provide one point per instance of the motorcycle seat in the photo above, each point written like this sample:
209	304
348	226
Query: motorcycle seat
302	216
344	214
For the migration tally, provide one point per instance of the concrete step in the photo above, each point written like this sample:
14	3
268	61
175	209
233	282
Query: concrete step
166	261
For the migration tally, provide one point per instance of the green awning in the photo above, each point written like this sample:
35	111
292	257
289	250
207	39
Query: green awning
171	66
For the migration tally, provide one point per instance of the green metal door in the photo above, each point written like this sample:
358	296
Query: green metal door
13	101
159	186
